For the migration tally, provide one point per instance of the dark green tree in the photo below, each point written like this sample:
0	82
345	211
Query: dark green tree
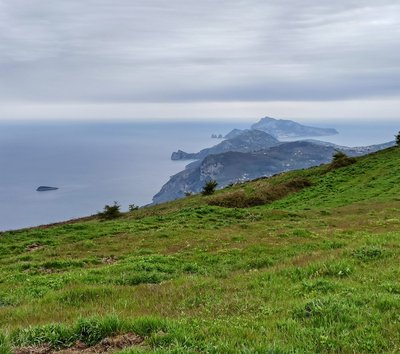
133	207
340	159
110	212
209	187
398	139
339	155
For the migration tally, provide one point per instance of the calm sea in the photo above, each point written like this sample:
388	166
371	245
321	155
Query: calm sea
95	164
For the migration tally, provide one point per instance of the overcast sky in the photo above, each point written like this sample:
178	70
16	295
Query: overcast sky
199	58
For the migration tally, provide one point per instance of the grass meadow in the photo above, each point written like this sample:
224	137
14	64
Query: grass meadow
313	268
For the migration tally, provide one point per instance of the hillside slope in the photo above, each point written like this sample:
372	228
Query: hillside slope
314	271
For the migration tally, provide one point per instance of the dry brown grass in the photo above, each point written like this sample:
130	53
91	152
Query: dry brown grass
263	194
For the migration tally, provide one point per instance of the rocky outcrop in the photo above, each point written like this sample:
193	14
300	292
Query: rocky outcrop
247	141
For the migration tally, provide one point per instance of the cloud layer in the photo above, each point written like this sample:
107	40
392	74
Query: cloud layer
124	51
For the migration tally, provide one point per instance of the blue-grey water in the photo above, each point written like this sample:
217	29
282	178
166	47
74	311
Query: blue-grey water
95	164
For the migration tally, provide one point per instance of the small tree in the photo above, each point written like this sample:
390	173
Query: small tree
209	187
110	212
133	207
340	159
398	139
338	156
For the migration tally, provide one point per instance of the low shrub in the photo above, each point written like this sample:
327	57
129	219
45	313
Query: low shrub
133	207
110	212
340	159
209	187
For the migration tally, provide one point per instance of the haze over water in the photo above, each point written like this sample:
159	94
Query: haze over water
95	164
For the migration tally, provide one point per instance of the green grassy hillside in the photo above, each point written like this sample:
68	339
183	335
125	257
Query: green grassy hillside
313	270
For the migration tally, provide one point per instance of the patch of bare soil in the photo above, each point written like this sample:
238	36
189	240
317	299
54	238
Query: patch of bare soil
109	344
33	247
43	349
109	260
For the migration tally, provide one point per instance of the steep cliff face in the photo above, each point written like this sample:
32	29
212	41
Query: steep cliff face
281	128
246	141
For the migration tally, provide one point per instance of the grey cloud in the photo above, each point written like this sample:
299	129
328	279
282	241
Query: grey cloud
186	50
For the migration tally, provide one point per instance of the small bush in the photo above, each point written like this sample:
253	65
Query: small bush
398	138
209	187
340	159
133	207
110	212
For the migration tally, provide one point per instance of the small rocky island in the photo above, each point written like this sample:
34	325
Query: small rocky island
45	189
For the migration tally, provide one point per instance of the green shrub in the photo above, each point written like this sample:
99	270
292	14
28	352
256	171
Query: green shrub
398	138
133	207
340	159
209	187
110	212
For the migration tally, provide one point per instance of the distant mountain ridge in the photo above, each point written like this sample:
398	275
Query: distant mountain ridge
246	141
281	129
262	135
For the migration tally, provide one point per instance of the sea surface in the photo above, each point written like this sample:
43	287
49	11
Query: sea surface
96	163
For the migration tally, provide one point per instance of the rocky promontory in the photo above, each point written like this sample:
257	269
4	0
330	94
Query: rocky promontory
246	141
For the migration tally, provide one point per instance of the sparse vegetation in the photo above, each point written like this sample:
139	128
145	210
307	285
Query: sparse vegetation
209	187
315	270
110	212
